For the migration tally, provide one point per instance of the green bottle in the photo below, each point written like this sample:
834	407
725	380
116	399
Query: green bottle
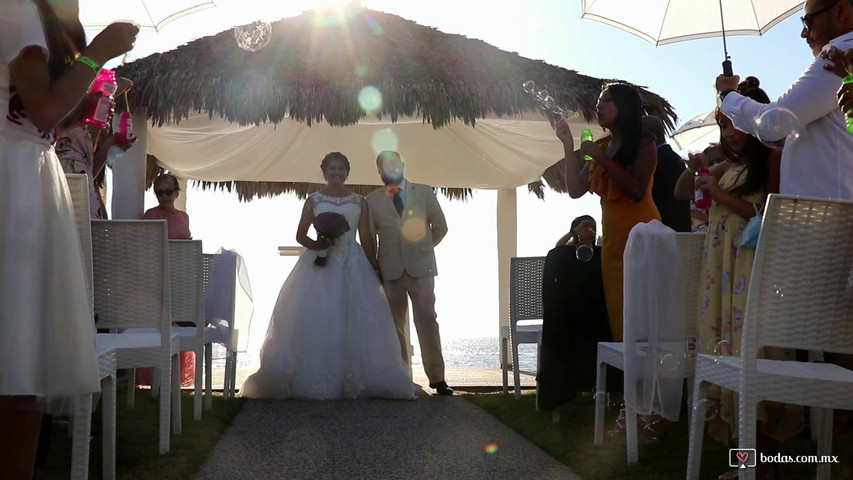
586	136
846	80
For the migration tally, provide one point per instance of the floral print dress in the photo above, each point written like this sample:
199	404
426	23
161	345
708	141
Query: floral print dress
726	270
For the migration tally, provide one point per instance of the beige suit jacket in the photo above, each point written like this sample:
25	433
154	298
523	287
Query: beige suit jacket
407	242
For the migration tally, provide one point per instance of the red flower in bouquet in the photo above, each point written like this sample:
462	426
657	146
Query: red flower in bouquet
331	226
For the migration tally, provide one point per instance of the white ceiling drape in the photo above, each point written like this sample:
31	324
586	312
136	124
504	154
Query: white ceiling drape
496	153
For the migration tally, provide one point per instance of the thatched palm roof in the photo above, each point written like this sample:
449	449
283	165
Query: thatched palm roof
317	63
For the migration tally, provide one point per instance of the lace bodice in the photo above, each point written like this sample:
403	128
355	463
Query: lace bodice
349	207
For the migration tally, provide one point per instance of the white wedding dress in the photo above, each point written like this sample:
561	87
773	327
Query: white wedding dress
331	334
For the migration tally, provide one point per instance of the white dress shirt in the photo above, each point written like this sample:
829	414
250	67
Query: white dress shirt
819	162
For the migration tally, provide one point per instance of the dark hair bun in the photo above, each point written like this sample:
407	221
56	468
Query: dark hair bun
749	82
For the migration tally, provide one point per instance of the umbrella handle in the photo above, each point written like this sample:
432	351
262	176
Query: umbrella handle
727	68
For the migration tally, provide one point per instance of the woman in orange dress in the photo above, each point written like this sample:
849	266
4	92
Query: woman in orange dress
621	174
166	188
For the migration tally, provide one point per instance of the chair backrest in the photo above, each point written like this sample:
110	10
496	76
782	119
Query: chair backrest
525	288
78	184
691	247
800	292
220	286
186	271
131	274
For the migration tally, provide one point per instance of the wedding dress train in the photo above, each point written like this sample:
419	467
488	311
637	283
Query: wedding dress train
331	334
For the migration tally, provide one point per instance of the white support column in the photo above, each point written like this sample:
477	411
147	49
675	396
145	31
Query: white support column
128	188
507	220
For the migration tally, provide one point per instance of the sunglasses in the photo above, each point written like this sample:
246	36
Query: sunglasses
808	20
168	192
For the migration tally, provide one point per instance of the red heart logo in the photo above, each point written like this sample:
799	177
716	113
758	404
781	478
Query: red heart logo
743	456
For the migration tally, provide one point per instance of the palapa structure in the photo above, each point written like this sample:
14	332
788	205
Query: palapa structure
316	64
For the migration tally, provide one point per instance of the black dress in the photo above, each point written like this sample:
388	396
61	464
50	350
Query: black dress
574	321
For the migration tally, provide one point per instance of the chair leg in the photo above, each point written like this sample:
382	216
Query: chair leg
599	398
505	365
197	394
108	427
824	441
175	393
697	429
208	378
155	381
631	434
747	430
538	361
516	371
82	419
165	410
131	387
233	383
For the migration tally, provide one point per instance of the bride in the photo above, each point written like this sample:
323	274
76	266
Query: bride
331	334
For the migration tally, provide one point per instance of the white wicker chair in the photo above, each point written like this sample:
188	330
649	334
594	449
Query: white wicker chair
132	292
78	185
690	246
525	303
187	284
220	281
800	298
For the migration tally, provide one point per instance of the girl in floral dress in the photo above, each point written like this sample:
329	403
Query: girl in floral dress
738	186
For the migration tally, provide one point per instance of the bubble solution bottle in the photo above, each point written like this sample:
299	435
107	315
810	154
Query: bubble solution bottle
123	126
586	136
98	111
846	80
702	199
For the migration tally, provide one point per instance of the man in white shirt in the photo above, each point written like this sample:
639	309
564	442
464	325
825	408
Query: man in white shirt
818	162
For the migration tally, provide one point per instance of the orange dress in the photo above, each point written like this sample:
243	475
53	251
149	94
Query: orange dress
619	214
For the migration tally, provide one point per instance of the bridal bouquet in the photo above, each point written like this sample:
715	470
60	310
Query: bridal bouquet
331	226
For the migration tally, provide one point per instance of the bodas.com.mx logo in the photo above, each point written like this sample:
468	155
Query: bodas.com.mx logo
742	457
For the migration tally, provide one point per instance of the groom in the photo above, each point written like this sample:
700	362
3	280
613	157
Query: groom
409	222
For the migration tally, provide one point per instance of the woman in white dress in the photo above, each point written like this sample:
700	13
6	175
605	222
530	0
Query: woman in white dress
331	335
47	334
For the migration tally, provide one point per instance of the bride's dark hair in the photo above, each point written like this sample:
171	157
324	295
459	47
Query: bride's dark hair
334	156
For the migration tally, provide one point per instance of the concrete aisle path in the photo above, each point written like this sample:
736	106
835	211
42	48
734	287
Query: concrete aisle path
431	437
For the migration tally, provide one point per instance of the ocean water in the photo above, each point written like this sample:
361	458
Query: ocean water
481	352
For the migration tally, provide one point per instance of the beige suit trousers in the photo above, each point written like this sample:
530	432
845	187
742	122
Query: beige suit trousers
422	292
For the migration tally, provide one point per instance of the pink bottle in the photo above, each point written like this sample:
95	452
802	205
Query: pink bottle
702	199
98	112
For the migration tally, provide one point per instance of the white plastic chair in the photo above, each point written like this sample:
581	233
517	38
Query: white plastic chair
690	247
82	427
78	185
525	303
187	297
220	287
132	293
799	298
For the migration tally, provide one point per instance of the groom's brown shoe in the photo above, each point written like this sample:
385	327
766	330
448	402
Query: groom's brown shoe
441	388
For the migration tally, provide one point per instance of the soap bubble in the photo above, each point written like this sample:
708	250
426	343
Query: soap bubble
775	125
254	36
584	252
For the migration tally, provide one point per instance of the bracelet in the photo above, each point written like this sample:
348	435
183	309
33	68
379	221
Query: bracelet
726	92
690	170
609	166
91	63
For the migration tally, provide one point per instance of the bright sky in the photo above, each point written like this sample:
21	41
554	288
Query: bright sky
549	30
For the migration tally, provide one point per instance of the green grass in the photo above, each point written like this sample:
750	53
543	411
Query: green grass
570	441
137	434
